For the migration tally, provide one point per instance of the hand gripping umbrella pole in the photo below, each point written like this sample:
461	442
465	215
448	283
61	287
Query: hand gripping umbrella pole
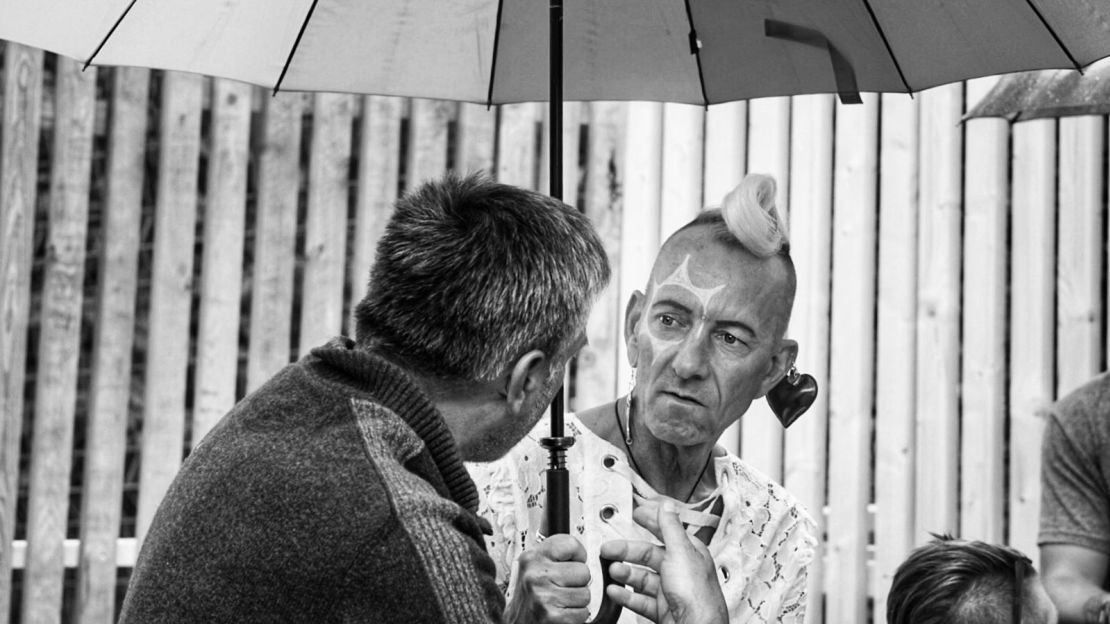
558	482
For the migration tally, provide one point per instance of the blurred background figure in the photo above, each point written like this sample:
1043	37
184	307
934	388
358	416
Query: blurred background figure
1075	503
954	581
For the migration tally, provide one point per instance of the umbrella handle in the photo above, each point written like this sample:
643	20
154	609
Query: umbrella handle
558	517
609	611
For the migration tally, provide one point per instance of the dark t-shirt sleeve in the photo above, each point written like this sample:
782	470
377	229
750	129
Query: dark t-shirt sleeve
1075	500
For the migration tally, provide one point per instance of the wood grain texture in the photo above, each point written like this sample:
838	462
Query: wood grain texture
325	227
171	292
19	150
895	374
113	339
1032	330
221	277
852	347
275	234
805	449
59	342
983	376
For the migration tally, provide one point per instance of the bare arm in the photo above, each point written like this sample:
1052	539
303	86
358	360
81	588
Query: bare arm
1073	576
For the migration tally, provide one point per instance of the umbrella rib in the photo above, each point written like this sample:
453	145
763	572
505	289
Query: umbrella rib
695	49
493	63
886	42
296	43
1055	37
111	31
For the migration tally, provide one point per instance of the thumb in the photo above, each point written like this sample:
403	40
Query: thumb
670	529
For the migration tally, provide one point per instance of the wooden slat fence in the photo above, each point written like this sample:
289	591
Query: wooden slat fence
170	241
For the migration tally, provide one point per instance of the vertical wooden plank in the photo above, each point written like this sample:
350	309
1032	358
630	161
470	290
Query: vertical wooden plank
167	355
852	347
275	234
573	114
326	221
983	380
768	152
59	342
726	144
683	136
516	145
643	165
475	144
113	337
378	172
810	228
1079	265
1032	269
769	141
725	160
895	356
938	304
596	380
222	260
427	157
19	155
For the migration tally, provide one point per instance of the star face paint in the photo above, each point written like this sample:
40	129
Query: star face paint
680	278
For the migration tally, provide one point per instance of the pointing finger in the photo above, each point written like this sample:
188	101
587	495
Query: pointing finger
640	579
633	551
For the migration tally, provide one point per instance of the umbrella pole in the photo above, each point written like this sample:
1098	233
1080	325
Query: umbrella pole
558	479
558	491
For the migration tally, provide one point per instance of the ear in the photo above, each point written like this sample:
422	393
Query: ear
632	314
524	378
780	365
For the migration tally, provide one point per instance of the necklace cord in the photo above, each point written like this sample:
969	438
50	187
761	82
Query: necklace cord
636	467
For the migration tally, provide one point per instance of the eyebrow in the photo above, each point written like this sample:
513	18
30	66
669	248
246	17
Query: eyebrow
671	303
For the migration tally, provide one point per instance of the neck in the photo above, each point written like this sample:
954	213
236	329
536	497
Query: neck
467	409
680	472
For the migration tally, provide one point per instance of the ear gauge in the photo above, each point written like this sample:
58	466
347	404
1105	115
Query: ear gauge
792	396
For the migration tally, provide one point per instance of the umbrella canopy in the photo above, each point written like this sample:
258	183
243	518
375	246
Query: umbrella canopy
697	51
1048	93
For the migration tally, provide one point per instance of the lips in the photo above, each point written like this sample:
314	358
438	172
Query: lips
685	398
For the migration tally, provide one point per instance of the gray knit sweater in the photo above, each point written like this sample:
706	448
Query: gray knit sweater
334	493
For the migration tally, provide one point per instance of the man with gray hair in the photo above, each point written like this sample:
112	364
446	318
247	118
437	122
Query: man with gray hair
336	492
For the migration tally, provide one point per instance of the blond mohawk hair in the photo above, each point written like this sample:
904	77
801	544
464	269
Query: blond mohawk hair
750	213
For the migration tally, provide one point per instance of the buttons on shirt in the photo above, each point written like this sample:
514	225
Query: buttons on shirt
609	461
724	574
607	512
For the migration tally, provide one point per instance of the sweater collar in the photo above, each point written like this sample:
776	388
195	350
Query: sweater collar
391	387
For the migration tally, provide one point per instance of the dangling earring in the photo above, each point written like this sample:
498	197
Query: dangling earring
628	409
792	396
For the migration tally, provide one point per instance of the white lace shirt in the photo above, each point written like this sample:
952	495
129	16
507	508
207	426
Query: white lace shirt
763	544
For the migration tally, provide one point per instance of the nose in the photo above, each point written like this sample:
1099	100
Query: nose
691	360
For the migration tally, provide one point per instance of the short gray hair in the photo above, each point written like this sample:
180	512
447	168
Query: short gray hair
471	274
